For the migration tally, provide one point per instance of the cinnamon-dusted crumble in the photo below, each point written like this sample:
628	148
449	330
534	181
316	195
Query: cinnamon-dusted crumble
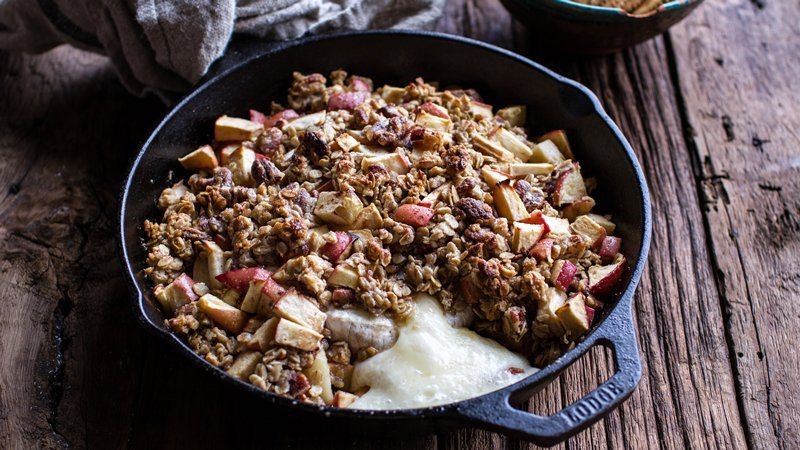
301	237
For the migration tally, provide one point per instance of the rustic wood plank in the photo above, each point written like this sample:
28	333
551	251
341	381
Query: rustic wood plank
737	65
68	341
53	271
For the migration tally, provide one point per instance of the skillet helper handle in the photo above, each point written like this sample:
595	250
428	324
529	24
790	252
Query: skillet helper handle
496	413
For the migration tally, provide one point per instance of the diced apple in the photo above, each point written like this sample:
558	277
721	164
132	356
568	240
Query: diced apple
264	336
480	110
393	162
177	293
492	177
216	262
604	222
602	279
290	334
225	153
590	230
543	249
573	317
436	110
347	100
525	236
433	122
270	121
590	312
578	208
231	297
515	115
346	142
244	365
521	169
343	276
253	296
333	251
609	248
272	290
556	226
392	94
562	273
297	308
546	311
370	218
200	269
303	123
569	187
226	316
491	148
559	138
342	399
235	129
508	203
414	215
513	144
319	374
257	116
546	152
240	162
338	208
360	84
239	279
201	159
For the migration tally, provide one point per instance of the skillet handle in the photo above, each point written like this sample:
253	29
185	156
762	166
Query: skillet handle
494	411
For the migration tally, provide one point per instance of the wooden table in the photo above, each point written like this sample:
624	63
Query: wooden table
711	108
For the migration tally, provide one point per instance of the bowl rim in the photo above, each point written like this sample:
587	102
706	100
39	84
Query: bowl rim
672	5
449	410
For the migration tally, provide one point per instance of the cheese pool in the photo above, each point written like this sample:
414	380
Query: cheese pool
433	363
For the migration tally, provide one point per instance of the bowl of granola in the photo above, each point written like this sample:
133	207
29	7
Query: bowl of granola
400	243
598	26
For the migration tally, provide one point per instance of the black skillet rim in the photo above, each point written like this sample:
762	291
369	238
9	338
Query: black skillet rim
449	410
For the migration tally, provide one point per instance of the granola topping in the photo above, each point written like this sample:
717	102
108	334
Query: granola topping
300	239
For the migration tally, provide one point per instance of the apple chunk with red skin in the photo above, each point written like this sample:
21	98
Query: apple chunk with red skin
602	279
436	110
347	100
414	215
526	235
177	293
609	247
543	249
239	279
562	273
569	186
333	251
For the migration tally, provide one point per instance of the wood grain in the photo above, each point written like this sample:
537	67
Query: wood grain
736	63
711	112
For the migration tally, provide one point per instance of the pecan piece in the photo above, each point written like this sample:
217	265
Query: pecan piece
472	210
264	171
532	198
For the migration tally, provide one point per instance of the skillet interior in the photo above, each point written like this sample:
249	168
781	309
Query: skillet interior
393	58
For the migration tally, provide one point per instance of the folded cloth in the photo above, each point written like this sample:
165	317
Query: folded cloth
167	45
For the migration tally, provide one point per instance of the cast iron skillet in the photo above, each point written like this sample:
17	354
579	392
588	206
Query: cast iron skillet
397	57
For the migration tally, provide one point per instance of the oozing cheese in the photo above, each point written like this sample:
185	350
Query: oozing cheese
433	363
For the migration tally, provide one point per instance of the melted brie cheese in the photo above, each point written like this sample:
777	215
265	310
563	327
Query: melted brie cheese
433	363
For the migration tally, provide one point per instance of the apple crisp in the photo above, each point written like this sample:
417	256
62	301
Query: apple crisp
296	245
